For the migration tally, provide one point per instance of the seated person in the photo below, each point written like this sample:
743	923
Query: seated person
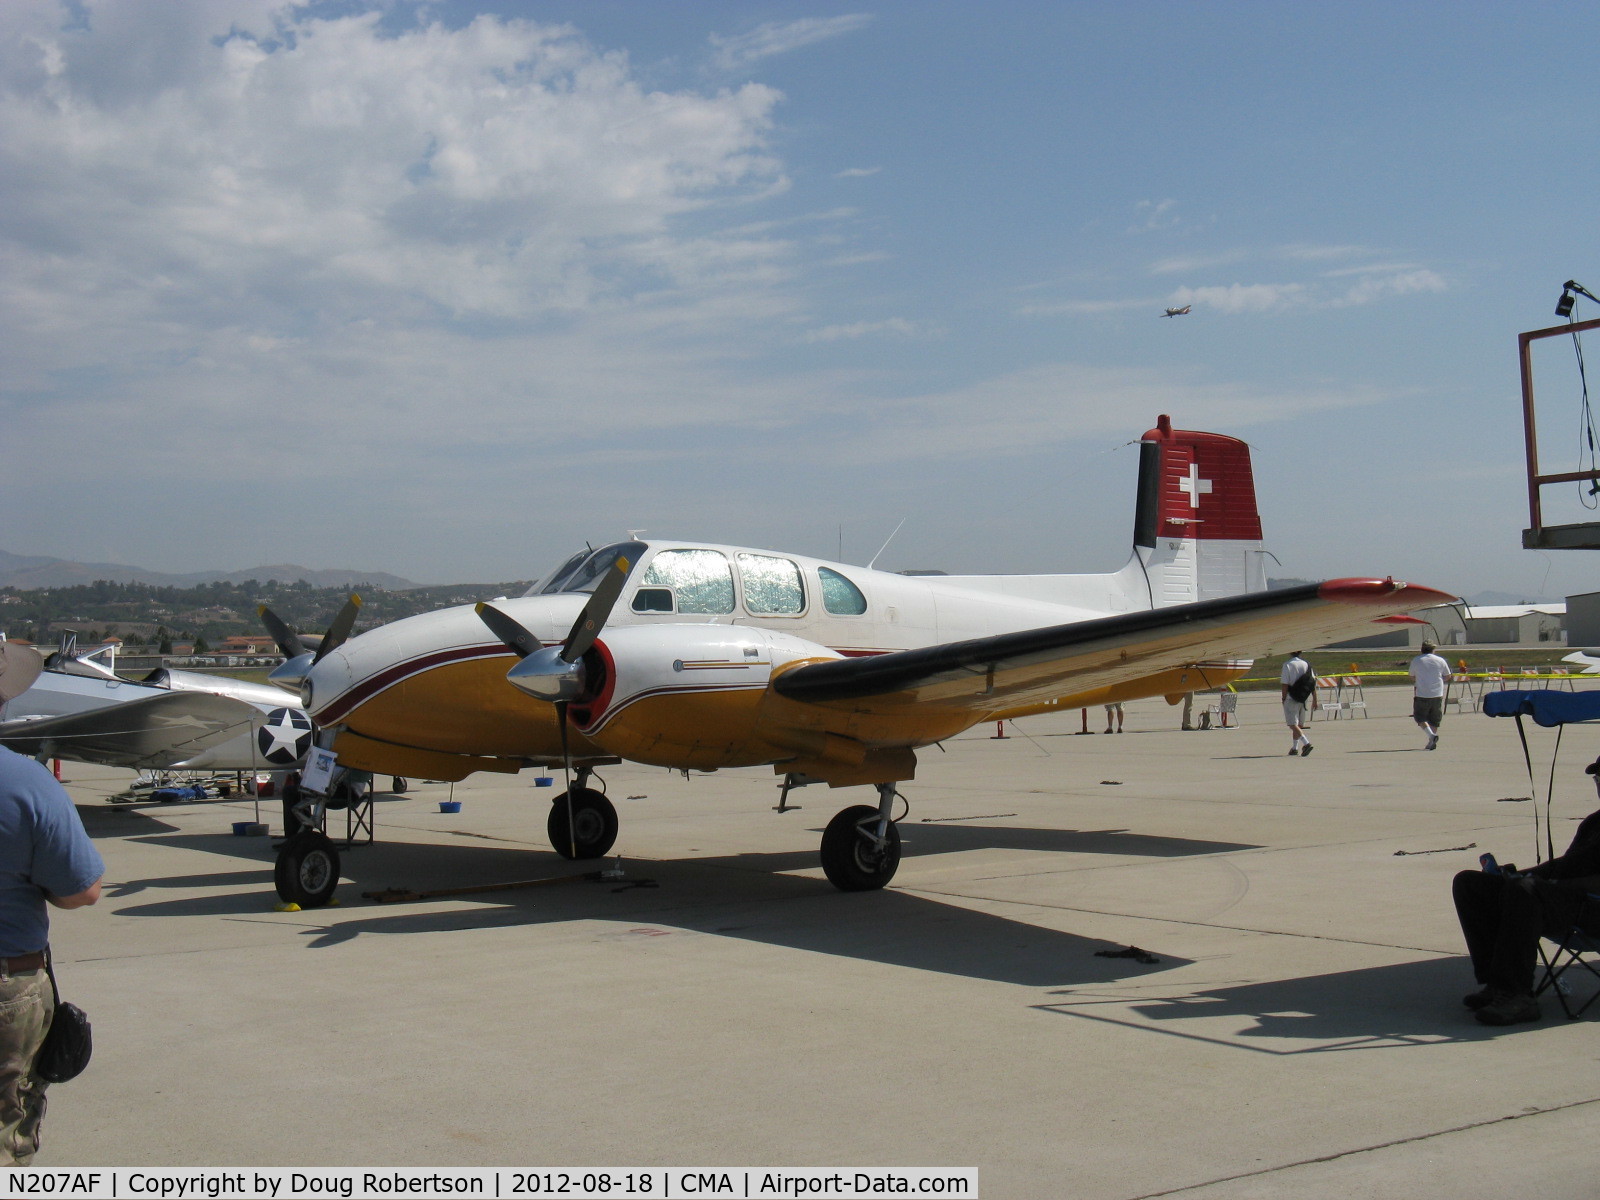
1504	915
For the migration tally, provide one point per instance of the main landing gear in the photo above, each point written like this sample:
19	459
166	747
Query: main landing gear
583	823
861	845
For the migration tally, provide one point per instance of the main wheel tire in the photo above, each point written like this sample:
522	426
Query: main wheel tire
307	870
398	785
850	860
594	820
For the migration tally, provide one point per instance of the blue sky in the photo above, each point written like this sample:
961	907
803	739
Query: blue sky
446	290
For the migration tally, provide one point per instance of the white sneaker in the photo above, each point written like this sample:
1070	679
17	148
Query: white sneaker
1433	743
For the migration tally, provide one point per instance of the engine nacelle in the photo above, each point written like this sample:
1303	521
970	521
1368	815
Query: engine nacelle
687	696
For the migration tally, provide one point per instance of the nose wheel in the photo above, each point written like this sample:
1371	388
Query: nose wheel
307	870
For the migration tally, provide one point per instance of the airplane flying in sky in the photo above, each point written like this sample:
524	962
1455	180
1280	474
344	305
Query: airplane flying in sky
1178	312
79	709
699	656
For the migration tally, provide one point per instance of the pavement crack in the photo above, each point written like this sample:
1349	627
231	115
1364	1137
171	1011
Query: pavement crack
1335	1157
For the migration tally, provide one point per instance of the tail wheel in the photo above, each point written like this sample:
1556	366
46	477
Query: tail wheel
852	859
307	870
594	824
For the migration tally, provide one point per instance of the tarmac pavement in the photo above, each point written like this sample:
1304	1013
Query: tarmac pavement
1301	1033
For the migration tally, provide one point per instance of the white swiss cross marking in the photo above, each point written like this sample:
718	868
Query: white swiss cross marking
1194	485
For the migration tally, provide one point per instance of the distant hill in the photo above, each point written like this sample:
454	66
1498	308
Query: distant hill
33	571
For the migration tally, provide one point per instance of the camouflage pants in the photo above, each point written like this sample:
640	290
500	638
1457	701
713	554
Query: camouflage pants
26	1005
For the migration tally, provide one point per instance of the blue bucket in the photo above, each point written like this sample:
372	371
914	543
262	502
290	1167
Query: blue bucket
450	806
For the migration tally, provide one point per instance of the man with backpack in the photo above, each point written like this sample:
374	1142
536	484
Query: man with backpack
1299	685
1430	676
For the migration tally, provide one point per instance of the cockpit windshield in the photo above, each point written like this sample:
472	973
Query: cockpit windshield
553	581
582	572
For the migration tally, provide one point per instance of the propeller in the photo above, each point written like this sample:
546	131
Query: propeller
553	673
298	658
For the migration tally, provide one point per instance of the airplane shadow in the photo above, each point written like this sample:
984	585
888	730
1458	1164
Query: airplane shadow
102	821
1404	1004
745	896
919	839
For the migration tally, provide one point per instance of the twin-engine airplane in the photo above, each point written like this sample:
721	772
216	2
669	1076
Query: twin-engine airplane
79	709
696	656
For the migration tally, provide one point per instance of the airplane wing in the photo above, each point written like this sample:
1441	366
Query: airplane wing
158	731
998	674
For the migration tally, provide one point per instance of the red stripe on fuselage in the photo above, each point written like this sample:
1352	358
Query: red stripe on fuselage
359	693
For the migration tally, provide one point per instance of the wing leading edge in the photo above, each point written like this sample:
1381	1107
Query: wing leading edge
1007	671
159	731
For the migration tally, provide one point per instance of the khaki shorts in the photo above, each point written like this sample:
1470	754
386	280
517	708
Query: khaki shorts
26	1003
1428	710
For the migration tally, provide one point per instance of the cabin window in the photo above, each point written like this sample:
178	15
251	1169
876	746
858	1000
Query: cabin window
839	596
701	582
771	585
653	599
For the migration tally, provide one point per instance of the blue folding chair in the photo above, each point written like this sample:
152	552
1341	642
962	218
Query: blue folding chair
1579	945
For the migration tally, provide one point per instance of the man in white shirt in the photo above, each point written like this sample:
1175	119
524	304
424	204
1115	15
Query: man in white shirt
1297	687
1429	674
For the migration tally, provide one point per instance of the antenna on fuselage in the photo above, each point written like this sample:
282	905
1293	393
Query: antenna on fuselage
885	545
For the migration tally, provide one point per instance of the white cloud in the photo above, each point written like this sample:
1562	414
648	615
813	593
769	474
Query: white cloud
324	249
897	326
1082	308
1242	298
1375	281
503	170
857	172
1197	262
773	38
1152	215
1023	411
1375	286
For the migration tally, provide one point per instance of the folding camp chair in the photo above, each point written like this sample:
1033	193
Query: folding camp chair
1579	947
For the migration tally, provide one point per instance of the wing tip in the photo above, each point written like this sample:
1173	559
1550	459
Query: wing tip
1388	592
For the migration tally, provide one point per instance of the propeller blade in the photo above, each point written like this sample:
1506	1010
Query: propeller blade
566	768
287	639
595	613
19	667
517	639
339	631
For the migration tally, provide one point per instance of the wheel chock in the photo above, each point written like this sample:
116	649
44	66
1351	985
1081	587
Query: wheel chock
286	906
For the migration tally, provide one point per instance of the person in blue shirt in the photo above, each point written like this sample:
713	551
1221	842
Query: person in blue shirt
46	858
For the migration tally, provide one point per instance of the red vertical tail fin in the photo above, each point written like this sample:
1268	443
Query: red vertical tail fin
1197	528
